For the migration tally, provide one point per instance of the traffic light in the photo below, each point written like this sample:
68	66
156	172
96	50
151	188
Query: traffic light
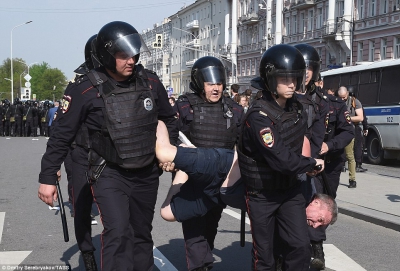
159	41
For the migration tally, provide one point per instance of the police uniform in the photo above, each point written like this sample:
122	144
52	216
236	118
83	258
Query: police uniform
126	189
16	118
7	115
269	159
209	125
339	133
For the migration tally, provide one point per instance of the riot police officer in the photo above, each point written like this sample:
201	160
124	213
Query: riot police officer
82	197
270	159
44	120
7	115
16	117
119	103
208	119
2	112
336	132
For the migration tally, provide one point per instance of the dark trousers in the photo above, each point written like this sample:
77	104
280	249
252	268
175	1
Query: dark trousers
126	202
82	201
358	144
16	127
199	234
6	127
44	129
69	169
333	170
29	127
279	214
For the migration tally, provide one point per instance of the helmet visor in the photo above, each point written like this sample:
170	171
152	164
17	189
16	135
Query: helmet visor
212	74
297	76
127	46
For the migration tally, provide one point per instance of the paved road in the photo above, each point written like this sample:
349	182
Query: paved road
32	235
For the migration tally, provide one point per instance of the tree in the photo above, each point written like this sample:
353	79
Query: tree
46	82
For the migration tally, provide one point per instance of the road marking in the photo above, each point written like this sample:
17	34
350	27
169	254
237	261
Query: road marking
337	260
2	216
161	261
334	258
235	215
10	257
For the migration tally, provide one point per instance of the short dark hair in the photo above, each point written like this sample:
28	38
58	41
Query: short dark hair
247	92
330	203
235	88
172	98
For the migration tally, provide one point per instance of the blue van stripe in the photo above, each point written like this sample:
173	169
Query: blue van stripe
381	111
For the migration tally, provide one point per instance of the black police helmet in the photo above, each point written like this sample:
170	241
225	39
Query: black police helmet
6	102
16	101
118	37
282	60
91	60
311	58
207	69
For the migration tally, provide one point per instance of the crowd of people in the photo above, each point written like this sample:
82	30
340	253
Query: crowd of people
26	118
276	155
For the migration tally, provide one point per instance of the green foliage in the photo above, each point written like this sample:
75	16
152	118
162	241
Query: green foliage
46	82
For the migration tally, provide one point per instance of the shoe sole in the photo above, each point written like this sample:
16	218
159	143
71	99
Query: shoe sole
317	264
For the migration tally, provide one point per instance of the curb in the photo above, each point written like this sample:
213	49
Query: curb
369	215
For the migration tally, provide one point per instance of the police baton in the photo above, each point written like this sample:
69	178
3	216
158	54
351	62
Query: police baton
242	227
62	212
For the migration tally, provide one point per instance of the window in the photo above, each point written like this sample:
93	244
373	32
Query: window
302	23
383	48
310	20
361	9
360	51
372	8
384	6
397	47
371	51
340	7
319	18
397	5
294	28
287	24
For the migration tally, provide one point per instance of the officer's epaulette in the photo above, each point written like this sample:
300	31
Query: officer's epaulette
334	98
150	71
80	79
182	98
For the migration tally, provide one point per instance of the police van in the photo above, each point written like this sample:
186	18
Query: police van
376	86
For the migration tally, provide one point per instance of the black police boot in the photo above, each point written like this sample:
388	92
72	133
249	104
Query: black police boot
317	256
352	184
278	263
359	168
89	261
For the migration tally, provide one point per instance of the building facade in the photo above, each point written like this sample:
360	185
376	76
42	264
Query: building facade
344	32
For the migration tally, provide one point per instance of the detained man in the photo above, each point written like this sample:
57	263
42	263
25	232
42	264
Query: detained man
209	171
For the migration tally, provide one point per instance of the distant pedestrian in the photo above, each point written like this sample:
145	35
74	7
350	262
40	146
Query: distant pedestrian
52	115
354	107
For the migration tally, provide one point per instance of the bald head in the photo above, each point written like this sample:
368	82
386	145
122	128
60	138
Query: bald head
343	93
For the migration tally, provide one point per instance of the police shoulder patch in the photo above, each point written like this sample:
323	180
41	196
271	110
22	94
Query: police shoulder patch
66	103
347	117
267	136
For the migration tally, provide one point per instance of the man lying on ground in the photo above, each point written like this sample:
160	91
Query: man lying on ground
211	169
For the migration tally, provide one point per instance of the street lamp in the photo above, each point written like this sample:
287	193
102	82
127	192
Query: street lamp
12	71
28	66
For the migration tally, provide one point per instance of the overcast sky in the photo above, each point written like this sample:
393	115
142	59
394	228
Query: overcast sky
60	28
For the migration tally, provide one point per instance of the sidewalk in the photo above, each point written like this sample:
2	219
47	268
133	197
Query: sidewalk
376	199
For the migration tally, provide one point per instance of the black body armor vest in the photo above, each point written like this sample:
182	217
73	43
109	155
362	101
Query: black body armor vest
291	126
128	135
213	124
